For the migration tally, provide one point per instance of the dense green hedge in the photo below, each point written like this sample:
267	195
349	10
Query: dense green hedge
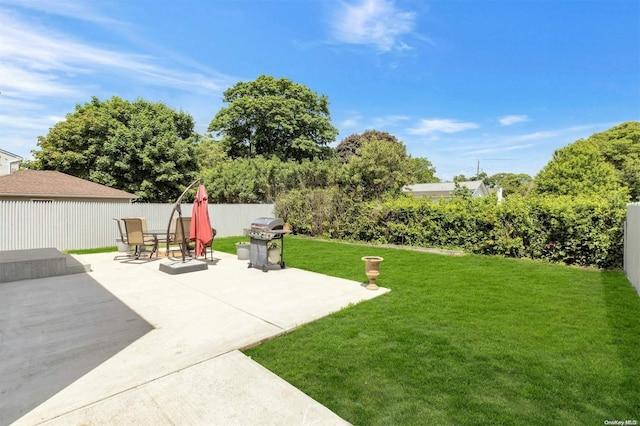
579	231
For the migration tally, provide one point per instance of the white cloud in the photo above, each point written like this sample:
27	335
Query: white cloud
536	136
355	121
566	134
350	122
379	123
39	61
20	83
46	71
68	8
21	122
499	149
439	125
508	120
373	22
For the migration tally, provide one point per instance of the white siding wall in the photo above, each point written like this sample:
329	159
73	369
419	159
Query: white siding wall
632	245
82	225
8	162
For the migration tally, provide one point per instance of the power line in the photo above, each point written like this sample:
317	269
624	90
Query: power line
491	159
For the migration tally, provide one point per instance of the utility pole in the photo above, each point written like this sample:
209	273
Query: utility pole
490	159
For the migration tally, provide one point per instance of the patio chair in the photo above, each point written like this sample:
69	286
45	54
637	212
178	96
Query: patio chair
210	245
180	229
137	236
123	245
123	237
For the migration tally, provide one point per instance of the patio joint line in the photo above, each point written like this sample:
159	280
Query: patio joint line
230	305
138	386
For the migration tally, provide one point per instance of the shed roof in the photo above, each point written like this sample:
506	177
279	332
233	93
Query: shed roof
49	183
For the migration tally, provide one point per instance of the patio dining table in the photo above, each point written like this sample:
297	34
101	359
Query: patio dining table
161	236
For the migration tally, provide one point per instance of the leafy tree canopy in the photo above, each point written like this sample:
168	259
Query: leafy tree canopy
351	144
209	153
379	167
140	147
620	147
511	183
421	170
603	162
376	162
480	176
260	179
578	169
274	116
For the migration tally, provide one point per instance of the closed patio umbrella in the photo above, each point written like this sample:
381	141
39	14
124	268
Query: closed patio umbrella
201	231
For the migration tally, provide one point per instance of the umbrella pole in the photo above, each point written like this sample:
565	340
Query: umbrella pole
178	208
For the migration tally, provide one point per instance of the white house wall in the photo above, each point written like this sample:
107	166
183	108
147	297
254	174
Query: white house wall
9	163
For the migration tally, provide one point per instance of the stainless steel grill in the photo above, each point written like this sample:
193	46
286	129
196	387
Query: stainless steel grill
267	242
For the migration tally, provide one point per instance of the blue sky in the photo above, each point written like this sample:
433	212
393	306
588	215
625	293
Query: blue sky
503	82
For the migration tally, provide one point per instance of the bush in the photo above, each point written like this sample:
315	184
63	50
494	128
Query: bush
581	231
261	180
584	231
313	212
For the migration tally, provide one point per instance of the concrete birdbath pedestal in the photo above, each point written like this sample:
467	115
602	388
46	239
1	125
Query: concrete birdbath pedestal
372	270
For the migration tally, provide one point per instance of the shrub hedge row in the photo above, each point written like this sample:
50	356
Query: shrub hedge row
584	231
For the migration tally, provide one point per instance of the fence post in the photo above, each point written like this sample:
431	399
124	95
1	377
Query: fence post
631	258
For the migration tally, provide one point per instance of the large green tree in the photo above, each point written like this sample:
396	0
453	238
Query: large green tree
620	147
140	147
578	169
379	167
351	144
421	170
364	166
209	153
274	116
511	183
601	163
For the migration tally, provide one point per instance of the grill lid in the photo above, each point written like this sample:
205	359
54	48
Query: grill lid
267	223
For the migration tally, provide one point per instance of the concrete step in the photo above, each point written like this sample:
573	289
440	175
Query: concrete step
16	265
75	265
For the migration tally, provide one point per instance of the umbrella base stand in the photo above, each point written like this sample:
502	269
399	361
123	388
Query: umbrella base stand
179	267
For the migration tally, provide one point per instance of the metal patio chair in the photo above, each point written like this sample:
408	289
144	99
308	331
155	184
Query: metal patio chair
137	236
180	229
123	239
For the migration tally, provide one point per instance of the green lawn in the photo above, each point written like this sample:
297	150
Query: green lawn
92	251
465	340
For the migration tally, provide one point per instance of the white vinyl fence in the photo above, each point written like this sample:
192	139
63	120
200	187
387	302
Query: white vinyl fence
83	225
632	245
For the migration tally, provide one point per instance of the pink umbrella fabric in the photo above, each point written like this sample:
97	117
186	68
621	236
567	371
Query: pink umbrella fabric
200	231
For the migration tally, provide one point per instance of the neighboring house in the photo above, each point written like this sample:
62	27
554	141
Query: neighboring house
48	186
445	189
9	162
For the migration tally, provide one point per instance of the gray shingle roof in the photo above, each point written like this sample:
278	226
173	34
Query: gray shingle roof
48	183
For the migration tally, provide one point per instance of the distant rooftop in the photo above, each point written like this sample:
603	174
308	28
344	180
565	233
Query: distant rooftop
10	154
442	187
48	183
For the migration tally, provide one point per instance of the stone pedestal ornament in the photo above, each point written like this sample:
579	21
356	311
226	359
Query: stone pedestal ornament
372	270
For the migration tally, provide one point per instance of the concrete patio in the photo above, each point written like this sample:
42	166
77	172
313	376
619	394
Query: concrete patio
128	344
